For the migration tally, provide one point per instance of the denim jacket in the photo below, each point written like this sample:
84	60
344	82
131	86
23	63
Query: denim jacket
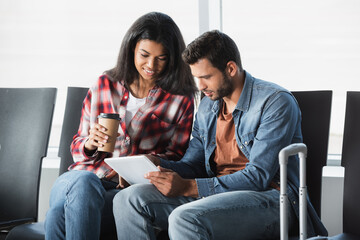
267	118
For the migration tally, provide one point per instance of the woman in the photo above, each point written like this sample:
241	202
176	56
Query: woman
152	90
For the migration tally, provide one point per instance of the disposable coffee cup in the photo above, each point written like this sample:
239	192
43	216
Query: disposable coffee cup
111	122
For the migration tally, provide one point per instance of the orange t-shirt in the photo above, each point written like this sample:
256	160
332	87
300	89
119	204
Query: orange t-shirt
227	156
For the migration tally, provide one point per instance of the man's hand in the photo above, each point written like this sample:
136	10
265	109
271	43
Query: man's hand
171	184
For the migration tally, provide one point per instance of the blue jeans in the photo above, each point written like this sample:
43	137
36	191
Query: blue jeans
139	209
76	209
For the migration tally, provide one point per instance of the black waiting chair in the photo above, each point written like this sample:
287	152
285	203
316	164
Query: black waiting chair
25	121
315	108
72	116
75	97
350	160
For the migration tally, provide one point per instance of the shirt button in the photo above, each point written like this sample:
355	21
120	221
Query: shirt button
126	97
246	143
241	147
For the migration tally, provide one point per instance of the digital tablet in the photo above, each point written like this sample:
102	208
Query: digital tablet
132	168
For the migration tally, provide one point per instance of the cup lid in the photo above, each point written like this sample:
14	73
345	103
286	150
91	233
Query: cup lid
109	115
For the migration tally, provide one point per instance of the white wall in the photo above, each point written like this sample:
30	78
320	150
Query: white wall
304	45
301	45
60	43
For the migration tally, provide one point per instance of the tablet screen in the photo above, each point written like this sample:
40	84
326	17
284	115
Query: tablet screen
132	168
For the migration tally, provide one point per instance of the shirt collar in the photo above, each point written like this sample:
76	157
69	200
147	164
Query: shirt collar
244	101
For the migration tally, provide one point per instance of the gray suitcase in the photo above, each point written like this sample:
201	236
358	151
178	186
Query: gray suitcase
284	154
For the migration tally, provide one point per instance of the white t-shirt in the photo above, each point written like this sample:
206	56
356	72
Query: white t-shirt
132	107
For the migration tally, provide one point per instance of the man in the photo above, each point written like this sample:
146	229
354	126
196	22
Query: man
226	185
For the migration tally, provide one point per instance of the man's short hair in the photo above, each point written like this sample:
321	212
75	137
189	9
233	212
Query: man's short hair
214	45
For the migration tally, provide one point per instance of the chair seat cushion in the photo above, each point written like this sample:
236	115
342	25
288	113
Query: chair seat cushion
342	236
30	231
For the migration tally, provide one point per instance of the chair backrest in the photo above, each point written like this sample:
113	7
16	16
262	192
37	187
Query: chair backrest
25	122
351	162
315	108
74	100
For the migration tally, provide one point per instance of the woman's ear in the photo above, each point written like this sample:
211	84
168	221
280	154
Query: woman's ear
231	68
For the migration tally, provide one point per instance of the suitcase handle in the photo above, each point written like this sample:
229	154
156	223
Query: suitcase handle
284	154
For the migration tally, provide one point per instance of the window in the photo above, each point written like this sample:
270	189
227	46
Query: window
71	43
305	45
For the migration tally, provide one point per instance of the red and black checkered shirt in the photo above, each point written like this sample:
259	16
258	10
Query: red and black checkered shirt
162	126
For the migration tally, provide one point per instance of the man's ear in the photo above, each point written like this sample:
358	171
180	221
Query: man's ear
231	68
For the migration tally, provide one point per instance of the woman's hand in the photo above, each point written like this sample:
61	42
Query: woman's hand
97	137
122	182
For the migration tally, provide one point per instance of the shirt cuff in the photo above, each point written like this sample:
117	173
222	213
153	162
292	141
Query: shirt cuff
165	163
89	158
205	187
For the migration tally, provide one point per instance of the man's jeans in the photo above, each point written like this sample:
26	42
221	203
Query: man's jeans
76	207
232	215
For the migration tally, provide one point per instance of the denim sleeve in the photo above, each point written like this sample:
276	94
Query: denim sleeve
192	165
278	124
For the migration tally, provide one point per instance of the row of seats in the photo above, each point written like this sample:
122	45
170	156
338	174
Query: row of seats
25	123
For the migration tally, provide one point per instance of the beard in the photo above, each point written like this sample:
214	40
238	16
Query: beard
226	88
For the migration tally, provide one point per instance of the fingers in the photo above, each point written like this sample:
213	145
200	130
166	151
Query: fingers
160	186
111	174
164	169
122	183
156	181
163	173
156	174
97	137
97	134
161	178
168	183
165	187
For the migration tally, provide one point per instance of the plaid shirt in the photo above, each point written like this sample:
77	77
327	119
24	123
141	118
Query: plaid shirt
162	126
